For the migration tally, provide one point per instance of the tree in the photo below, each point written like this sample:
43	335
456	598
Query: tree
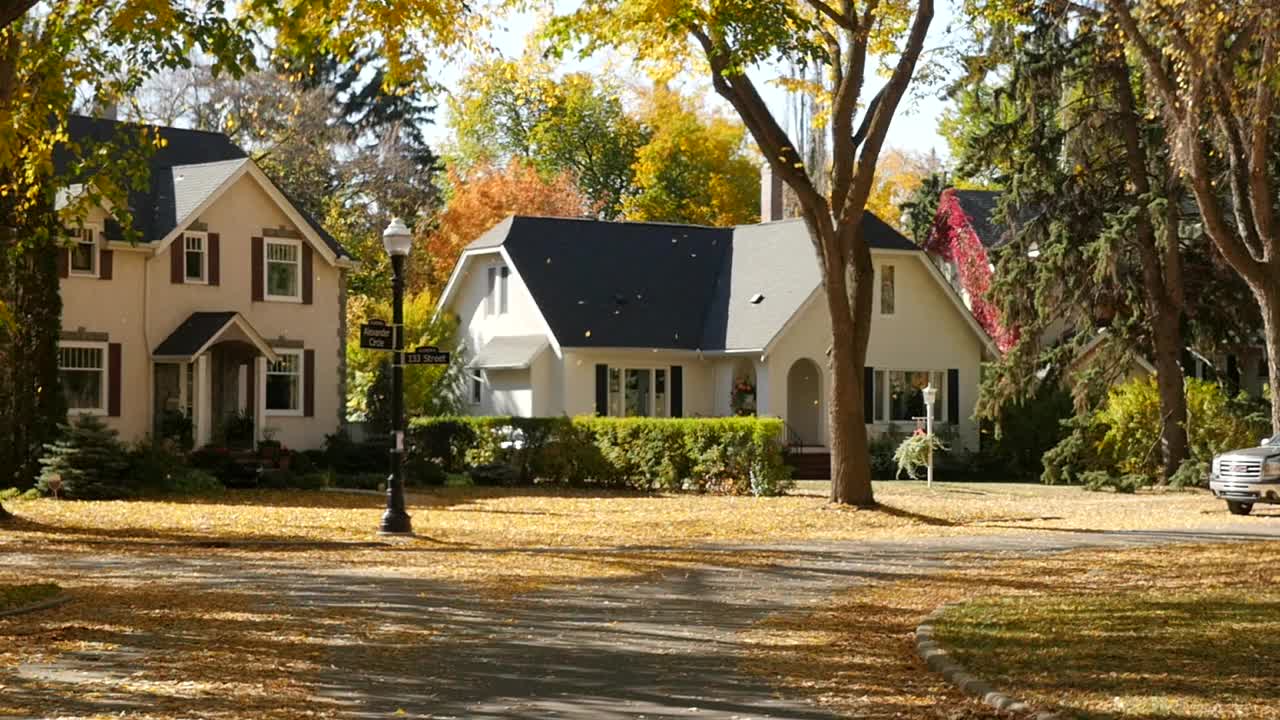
1096	211
477	202
1215	69
732	38
517	109
695	167
898	176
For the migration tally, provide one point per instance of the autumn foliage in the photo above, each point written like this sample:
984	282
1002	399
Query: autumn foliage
480	200
953	239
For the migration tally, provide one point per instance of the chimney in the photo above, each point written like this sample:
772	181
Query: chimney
770	195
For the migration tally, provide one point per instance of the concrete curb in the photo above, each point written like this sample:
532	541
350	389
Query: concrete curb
52	602
940	661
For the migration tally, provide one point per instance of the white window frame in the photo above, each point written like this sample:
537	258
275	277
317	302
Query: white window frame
300	354
884	396
204	258
96	235
653	389
267	295
101	410
893	288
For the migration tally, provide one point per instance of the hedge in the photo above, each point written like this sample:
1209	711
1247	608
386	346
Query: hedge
736	455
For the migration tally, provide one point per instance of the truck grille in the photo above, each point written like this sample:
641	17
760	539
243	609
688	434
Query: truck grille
1240	469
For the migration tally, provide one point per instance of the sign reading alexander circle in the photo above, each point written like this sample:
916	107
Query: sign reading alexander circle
377	335
428	355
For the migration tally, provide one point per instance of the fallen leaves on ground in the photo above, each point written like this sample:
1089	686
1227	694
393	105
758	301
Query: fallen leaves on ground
22	594
1174	632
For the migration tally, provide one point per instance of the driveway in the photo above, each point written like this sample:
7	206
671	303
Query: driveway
657	648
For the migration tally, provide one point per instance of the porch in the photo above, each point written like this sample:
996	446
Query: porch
213	372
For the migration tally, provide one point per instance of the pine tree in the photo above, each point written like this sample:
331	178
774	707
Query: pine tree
90	461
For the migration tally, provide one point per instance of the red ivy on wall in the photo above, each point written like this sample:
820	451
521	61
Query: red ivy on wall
954	240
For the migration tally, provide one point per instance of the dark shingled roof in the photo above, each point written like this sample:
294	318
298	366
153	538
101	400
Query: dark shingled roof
155	208
980	206
653	285
193	333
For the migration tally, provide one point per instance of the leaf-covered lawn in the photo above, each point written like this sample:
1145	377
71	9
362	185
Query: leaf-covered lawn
16	596
1175	632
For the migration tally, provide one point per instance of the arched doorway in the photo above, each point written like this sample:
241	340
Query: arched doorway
804	401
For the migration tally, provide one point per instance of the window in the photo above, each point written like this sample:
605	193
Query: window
82	370
502	290
886	289
284	269
638	392
490	291
475	389
84	254
906	394
284	383
196	258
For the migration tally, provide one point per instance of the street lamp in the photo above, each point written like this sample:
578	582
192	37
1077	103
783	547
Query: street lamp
930	394
398	241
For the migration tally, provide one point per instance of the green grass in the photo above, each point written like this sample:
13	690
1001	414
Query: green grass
1145	653
14	596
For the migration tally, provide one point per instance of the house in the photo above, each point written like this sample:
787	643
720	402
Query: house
570	316
228	311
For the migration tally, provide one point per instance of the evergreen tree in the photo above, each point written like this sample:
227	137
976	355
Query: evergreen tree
88	459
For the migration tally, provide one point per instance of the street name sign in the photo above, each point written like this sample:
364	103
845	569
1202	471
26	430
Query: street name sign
377	335
428	355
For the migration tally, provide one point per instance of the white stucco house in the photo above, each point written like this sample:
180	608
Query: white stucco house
562	316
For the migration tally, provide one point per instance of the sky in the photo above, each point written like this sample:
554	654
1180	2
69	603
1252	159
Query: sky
914	128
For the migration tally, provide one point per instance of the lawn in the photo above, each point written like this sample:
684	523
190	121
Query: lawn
19	595
1175	632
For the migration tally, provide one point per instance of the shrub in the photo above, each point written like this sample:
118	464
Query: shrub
1191	473
1097	480
1025	431
89	459
153	465
359	481
344	455
191	481
883	466
734	455
1122	438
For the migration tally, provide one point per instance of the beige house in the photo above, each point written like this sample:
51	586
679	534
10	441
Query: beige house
230	310
576	316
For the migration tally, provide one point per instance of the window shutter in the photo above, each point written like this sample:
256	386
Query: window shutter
113	379
214	251
868	394
677	391
953	396
64	263
176	250
106	263
307	279
255	273
602	389
309	383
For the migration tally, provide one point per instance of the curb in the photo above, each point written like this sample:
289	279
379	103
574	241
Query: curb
940	661
52	602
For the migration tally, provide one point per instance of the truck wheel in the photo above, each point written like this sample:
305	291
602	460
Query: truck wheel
1239	508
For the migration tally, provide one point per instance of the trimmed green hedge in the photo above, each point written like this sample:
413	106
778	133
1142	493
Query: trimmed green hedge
737	455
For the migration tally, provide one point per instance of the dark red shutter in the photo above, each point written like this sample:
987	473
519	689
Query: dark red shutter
255	257
307	279
113	379
64	263
215	259
309	383
106	262
177	273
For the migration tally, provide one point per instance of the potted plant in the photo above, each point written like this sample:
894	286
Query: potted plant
742	400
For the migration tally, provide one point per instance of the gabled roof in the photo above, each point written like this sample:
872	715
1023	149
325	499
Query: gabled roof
185	171
202	329
980	206
679	287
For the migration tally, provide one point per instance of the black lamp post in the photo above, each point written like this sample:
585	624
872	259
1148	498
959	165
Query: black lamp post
398	241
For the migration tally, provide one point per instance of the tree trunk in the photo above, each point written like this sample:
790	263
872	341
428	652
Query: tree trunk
4	514
1166	323
1267	293
850	332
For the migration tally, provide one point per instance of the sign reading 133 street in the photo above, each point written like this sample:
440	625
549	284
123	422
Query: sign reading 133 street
426	356
377	335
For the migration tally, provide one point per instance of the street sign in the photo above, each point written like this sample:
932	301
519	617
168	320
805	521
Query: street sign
426	356
377	335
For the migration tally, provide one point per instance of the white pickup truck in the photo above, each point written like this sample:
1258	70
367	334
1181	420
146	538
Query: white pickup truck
1247	476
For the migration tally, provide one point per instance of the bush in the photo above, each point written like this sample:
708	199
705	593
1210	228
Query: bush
1122	438
1191	473
153	465
883	466
1027	429
191	481
359	481
731	455
90	461
1098	480
344	455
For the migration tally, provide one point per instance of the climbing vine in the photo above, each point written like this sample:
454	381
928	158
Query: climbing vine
954	240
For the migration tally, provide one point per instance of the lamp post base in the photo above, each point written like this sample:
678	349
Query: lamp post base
395	523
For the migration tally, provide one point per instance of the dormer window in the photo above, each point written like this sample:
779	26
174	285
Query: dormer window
84	253
195	257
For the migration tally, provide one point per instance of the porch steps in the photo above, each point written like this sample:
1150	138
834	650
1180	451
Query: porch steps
810	466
